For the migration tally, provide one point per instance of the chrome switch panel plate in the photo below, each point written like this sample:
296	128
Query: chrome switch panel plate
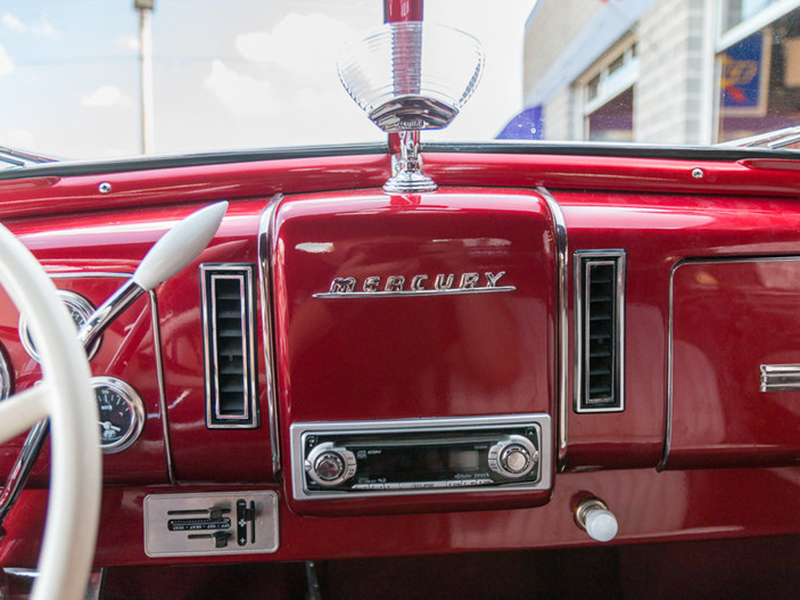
211	524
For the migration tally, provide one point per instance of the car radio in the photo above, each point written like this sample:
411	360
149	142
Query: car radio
415	456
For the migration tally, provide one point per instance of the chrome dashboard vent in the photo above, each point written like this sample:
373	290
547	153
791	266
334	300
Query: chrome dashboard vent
229	344
600	327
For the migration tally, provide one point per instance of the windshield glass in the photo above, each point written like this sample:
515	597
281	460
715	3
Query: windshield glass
108	78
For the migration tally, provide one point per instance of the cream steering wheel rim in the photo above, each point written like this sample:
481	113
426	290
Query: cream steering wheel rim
65	395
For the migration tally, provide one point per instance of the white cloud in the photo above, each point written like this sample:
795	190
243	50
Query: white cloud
243	94
104	97
301	43
41	27
19	138
128	42
6	65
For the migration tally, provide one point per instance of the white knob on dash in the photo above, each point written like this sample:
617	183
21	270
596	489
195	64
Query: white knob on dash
601	525
593	516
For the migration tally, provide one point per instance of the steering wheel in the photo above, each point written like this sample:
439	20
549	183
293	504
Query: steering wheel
64	395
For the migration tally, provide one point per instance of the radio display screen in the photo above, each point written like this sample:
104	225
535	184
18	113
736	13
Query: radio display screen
420	462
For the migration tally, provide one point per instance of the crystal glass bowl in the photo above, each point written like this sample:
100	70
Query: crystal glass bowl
410	76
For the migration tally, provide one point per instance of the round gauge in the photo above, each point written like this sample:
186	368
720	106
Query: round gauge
80	309
120	413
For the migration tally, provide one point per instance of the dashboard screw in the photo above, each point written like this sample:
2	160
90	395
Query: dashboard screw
697	173
104	188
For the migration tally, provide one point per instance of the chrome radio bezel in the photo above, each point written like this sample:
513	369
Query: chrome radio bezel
298	432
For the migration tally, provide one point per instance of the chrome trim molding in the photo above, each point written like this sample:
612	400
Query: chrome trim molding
585	260
562	324
136	405
541	421
242	273
22	468
780	378
5	376
266	235
671	331
162	387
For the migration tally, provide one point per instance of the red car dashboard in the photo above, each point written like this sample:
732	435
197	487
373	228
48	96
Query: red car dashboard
351	373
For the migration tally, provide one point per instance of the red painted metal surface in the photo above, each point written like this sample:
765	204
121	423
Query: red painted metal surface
199	453
416	356
650	507
729	319
658	231
403	10
399	357
153	187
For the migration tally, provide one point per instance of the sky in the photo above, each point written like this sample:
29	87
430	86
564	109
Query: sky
227	73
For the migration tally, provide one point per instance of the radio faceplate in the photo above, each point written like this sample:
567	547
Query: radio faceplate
421	456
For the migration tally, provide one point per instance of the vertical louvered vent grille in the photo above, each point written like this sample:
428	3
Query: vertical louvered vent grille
231	388
600	311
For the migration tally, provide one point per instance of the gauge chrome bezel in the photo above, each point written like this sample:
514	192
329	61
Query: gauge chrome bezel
75	302
132	398
5	376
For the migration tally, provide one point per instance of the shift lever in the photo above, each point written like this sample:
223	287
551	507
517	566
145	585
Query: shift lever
170	254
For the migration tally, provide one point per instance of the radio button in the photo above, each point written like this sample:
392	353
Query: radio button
329	466
516	459
513	458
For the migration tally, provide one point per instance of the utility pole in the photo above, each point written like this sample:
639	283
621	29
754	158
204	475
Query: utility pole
145	9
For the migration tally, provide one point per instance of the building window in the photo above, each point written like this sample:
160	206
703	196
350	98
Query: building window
759	76
608	95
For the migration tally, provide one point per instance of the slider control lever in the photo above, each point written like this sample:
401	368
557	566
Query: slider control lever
170	254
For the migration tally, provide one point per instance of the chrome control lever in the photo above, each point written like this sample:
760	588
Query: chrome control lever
170	254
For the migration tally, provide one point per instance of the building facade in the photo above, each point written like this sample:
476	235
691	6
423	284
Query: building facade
662	71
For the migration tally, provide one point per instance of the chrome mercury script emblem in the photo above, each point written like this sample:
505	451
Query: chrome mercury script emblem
418	285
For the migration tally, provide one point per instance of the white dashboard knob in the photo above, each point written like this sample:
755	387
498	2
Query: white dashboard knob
593	515
601	525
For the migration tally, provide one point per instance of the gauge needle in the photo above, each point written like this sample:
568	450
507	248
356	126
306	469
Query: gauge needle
108	425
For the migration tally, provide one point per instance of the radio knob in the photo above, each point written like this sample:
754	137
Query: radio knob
329	466
513	457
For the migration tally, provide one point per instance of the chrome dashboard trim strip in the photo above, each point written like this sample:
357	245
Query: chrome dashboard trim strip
619	258
162	386
437	424
5	376
780	378
671	330
265	237
562	325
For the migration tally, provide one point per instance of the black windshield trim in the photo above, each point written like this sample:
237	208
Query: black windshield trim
709	153
146	163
